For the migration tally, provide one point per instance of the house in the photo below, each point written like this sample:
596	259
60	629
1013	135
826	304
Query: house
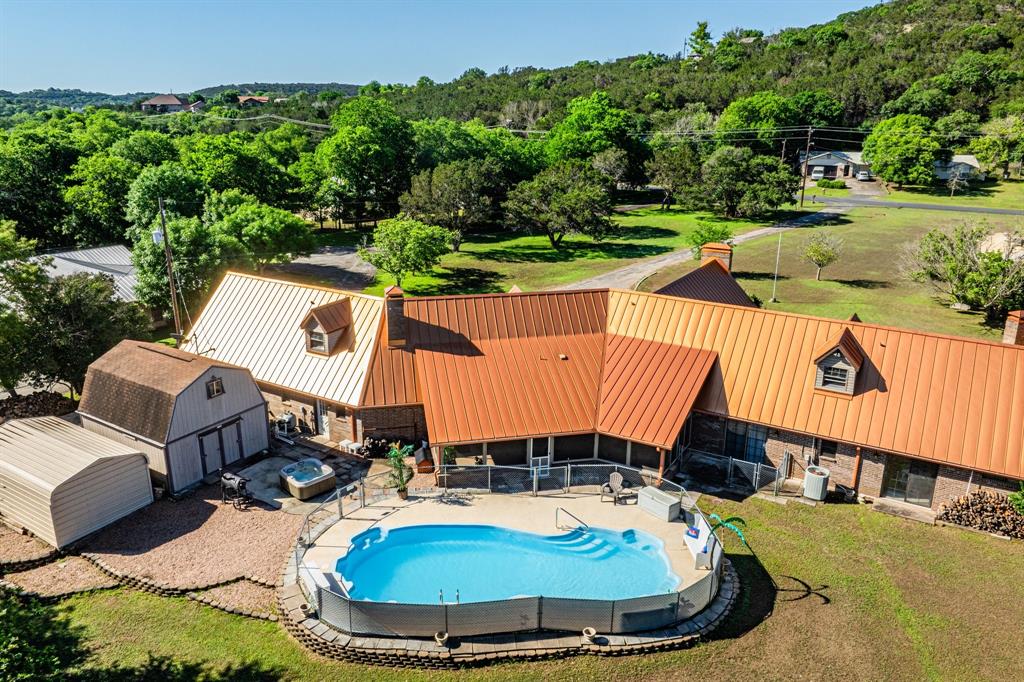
165	104
196	106
114	261
62	482
965	166
252	100
190	415
836	164
642	379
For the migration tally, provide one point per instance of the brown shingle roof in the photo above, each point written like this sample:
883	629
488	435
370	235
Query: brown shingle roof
163	100
710	282
135	383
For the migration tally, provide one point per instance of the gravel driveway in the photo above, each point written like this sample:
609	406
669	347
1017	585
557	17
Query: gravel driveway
335	266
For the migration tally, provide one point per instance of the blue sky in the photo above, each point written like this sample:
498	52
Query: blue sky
149	45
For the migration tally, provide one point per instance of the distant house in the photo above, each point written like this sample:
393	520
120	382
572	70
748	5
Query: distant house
198	105
165	104
252	100
114	260
965	164
836	164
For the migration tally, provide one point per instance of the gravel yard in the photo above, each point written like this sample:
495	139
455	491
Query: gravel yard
17	547
244	596
72	574
198	541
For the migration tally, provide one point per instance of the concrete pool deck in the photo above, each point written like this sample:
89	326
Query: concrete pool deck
520	512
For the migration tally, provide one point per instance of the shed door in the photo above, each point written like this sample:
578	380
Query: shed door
231	437
211	451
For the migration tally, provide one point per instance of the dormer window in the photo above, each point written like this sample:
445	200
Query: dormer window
326	326
317	341
837	364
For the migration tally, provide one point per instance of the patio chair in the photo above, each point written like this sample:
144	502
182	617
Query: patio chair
616	489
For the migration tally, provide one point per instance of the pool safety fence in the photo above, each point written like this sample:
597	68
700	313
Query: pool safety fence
754	476
523	614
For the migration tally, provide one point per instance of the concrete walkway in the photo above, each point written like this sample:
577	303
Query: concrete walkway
629	276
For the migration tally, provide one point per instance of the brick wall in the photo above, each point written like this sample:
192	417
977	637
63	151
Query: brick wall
799	446
407	422
341	423
279	402
952	483
872	469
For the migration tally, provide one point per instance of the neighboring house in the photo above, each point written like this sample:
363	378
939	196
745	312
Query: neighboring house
252	100
114	260
165	104
188	414
62	482
712	281
640	379
197	106
837	164
966	165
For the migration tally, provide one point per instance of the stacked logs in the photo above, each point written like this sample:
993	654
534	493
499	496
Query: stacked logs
41	404
984	510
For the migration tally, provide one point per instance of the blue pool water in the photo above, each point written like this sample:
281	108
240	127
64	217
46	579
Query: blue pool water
484	563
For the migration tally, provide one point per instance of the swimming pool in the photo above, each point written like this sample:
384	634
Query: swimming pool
414	564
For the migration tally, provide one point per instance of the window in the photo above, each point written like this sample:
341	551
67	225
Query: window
318	342
214	387
833	377
829	449
745	441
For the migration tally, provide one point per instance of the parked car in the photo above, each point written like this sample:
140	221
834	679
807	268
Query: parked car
818	173
863	176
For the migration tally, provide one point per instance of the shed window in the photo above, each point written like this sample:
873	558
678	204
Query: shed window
214	387
318	342
834	377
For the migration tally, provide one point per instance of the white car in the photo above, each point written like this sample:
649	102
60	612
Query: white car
818	173
863	176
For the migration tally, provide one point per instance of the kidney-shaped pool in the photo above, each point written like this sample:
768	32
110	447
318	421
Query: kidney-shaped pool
415	564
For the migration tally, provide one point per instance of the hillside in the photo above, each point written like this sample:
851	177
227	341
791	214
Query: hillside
37	100
866	59
284	89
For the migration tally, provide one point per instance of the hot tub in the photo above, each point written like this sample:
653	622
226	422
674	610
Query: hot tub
307	478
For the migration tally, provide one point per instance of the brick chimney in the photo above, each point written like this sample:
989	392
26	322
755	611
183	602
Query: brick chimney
394	311
720	252
1013	333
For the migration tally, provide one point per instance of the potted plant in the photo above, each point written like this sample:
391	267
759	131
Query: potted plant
400	471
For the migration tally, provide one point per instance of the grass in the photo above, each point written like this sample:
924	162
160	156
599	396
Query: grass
990	194
866	280
815	191
837	592
493	262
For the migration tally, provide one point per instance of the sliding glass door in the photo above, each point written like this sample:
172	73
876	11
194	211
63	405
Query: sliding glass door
909	480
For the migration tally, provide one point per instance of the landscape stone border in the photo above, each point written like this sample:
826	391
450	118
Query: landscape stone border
227	608
401	652
50	598
165	589
32	562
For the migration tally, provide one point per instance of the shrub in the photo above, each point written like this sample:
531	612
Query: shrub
1017	499
825	183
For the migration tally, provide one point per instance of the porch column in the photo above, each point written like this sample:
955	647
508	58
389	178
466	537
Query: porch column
629	452
661	463
483	457
595	445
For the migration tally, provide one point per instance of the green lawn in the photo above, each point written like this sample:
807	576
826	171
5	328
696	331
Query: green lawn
991	194
867	280
815	191
835	593
494	262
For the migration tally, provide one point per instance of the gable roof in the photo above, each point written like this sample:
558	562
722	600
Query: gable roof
332	316
254	322
845	342
135	384
164	100
712	281
114	260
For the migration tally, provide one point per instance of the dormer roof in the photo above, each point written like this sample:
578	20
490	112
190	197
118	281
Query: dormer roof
332	317
846	344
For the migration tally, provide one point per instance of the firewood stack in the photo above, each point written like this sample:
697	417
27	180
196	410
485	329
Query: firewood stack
984	510
41	404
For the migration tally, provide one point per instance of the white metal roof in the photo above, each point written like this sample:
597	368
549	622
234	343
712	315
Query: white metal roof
47	451
114	260
254	322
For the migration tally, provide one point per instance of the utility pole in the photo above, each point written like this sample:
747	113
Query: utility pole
775	283
807	157
783	157
162	236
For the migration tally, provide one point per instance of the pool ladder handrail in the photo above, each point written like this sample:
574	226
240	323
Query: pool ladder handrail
580	522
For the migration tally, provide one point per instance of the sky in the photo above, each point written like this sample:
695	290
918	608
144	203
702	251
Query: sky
180	46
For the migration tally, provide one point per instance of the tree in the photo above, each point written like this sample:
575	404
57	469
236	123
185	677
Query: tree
17	276
442	140
181	191
735	182
613	163
957	129
74	319
708	233
146	148
1001	143
902	149
822	250
232	161
371	151
593	125
960	265
568	198
403	246
452	195
219	205
97	199
34	164
763	112
673	169
700	42
958	180
267	234
201	254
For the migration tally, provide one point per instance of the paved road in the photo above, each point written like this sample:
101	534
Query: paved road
629	276
336	266
851	202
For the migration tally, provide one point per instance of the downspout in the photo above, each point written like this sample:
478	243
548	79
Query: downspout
856	471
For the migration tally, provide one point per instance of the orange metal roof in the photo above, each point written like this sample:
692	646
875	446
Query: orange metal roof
710	282
648	388
392	376
847	345
507	366
952	400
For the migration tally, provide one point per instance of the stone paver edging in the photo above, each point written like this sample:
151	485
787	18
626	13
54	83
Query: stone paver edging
32	562
476	651
227	608
164	589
